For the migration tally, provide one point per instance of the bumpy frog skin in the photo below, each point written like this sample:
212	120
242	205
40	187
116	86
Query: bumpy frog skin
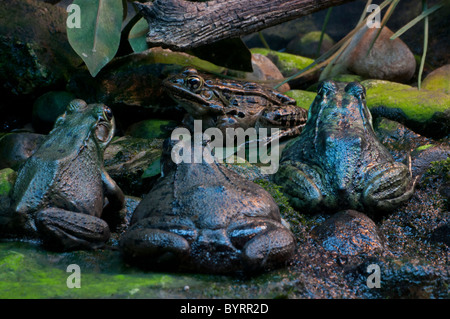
204	217
337	162
60	191
231	104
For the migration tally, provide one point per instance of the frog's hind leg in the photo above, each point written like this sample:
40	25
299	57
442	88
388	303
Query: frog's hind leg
153	248
64	230
264	244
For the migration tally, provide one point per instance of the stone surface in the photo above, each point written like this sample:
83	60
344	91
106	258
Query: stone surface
265	70
15	148
438	80
390	60
127	158
34	50
349	233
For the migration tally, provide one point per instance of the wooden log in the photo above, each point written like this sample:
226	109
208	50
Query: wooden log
182	25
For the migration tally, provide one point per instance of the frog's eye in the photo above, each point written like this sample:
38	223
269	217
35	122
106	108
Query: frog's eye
326	87
194	83
356	89
107	113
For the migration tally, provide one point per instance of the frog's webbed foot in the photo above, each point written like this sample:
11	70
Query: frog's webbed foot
153	247
301	184
66	230
388	188
264	243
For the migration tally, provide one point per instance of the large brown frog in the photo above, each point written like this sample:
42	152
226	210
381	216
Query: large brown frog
337	162
60	191
231	104
200	216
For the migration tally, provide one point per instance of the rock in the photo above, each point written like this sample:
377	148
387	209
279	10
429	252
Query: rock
288	64
390	60
127	158
423	156
425	112
34	46
48	107
438	80
349	233
15	148
306	45
264	69
151	129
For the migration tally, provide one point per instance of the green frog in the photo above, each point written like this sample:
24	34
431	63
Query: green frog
337	162
200	216
232	104
59	195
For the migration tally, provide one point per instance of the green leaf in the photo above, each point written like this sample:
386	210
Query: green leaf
153	170
410	24
98	38
138	35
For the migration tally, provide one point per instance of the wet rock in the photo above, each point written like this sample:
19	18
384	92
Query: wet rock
48	107
151	129
15	148
438	80
127	158
422	157
349	233
390	60
307	45
264	70
425	112
34	50
289	64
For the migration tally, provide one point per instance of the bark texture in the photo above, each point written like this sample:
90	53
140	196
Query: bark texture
183	25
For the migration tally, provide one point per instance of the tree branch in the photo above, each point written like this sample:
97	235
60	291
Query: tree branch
182	25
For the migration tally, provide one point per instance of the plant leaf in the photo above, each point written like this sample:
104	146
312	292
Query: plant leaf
98	38
138	35
410	24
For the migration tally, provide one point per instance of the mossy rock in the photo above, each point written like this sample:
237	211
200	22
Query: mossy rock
287	63
426	112
438	80
7	180
303	98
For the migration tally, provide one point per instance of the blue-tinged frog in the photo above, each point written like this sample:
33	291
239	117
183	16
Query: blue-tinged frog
200	216
337	162
59	195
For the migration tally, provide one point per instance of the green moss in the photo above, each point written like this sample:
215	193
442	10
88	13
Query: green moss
416	105
438	80
287	63
424	147
304	98
7	179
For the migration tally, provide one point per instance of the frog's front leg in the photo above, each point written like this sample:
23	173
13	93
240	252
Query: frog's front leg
116	202
301	184
65	230
388	186
264	243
